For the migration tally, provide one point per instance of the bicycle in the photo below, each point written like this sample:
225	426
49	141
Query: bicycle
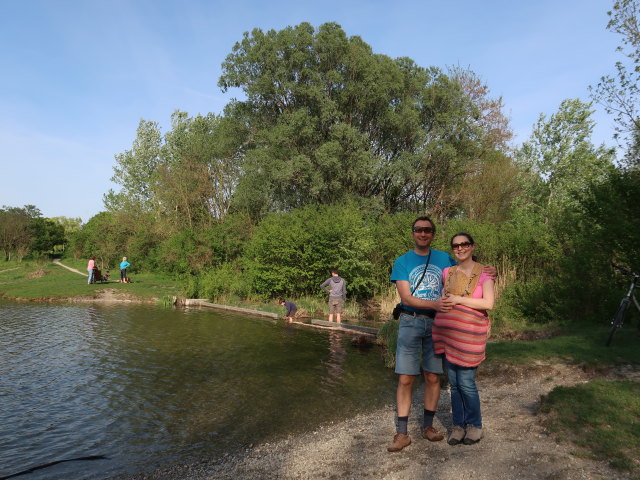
618	318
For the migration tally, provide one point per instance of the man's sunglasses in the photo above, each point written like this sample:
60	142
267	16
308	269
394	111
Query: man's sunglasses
456	246
422	229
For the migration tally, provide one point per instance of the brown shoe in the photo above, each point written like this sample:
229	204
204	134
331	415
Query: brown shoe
432	434
400	440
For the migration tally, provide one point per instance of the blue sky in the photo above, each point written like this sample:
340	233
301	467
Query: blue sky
77	76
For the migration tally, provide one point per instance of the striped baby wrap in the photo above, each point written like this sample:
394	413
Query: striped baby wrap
461	334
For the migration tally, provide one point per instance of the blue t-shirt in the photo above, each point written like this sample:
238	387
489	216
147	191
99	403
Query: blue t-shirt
409	267
124	265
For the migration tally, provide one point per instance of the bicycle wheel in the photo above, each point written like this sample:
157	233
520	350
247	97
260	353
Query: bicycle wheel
618	319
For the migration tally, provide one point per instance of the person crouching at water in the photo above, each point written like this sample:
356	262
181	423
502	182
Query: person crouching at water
461	335
123	270
290	309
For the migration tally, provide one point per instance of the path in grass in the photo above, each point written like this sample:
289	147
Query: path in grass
9	269
58	262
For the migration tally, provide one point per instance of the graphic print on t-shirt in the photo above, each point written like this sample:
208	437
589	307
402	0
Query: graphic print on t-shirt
431	286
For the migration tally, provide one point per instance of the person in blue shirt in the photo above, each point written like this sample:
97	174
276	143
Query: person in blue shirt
290	309
123	270
418	278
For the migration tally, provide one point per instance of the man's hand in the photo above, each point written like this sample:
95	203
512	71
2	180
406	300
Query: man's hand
491	271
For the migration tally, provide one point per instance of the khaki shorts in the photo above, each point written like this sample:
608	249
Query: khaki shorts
336	305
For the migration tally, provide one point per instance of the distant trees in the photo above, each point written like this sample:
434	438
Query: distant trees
23	230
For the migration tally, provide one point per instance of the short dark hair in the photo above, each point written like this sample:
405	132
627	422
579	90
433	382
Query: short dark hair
281	300
424	219
334	270
462	234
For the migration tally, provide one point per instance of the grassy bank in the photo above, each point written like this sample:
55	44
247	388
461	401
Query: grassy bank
600	417
48	281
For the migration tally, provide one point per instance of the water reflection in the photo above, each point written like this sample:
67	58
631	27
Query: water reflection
146	386
337	355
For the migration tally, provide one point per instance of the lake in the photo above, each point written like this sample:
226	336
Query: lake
147	386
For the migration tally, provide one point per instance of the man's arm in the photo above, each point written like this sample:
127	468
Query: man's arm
325	284
404	290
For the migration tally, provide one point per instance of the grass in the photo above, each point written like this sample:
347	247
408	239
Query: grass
601	417
45	280
585	347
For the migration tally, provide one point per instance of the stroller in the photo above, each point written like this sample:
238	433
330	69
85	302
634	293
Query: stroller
98	276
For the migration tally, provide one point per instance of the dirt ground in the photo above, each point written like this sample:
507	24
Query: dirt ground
516	445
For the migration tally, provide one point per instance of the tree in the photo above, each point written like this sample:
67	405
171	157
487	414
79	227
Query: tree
46	234
136	171
563	163
200	171
330	120
620	94
16	230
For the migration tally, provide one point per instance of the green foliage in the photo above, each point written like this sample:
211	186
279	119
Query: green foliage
600	416
392	234
23	232
331	120
620	94
294	252
388	338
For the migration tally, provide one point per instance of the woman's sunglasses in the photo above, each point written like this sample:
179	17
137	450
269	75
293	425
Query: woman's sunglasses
456	246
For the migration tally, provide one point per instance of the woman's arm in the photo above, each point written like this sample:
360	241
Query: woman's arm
484	303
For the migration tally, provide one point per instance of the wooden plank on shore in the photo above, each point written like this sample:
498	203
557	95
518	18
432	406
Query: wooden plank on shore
346	326
204	303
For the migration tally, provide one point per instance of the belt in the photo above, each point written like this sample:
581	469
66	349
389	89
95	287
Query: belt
416	314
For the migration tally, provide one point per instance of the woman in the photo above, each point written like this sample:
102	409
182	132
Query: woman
91	269
461	334
123	270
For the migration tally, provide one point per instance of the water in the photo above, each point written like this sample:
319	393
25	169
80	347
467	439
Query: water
147	386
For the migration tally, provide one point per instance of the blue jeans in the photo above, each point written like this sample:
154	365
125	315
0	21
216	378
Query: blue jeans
91	278
415	346
465	400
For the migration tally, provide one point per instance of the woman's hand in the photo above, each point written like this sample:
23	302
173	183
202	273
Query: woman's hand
455	299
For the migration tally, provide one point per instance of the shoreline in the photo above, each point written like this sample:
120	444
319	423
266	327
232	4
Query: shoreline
516	445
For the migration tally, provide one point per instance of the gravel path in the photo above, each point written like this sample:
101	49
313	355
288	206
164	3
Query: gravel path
516	446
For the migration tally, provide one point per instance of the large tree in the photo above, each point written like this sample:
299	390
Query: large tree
329	120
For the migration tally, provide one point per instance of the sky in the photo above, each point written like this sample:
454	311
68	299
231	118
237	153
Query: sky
78	76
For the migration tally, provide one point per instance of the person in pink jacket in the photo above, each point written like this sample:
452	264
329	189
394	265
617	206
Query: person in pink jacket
91	266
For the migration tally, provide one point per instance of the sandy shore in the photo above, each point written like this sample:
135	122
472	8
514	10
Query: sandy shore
516	445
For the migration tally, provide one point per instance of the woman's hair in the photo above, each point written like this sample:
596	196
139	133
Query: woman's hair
281	300
462	234
92	257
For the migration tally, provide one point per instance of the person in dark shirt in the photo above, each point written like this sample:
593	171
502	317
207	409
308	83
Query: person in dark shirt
290	309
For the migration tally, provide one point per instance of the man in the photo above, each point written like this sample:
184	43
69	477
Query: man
418	278
336	287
